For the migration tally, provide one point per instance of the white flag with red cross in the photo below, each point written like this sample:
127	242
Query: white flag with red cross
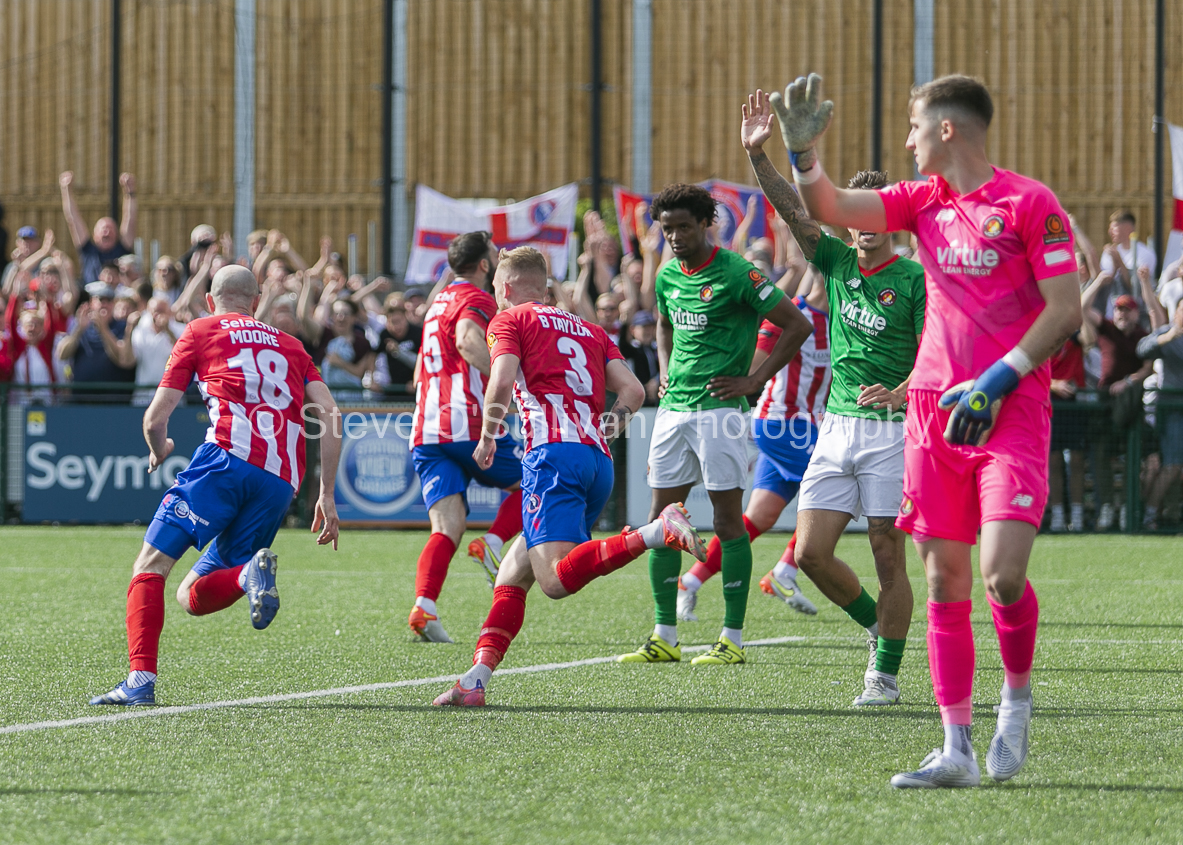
545	222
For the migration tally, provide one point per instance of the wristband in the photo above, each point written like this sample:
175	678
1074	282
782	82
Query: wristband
808	177
794	156
1018	361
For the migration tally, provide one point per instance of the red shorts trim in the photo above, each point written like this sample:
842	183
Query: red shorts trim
950	491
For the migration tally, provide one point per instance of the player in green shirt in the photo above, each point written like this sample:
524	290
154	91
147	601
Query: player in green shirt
876	304
710	302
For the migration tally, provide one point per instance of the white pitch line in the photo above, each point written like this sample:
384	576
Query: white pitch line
153	712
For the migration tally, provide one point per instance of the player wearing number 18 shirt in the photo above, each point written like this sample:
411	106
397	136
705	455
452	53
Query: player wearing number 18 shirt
558	367
449	392
237	488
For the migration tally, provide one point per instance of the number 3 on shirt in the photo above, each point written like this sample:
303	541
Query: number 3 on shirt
578	378
270	372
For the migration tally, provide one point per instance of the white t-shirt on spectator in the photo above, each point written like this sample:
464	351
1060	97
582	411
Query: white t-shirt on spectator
1170	294
1145	258
151	349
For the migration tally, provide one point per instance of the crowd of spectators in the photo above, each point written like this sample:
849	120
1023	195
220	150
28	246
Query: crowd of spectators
100	319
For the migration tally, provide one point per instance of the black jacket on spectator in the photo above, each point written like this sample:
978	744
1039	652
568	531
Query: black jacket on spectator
401	364
643	359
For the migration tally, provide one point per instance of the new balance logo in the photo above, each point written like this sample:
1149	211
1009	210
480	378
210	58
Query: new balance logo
673	580
1022	500
733	585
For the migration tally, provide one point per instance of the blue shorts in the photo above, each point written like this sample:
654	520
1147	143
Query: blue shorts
222	498
564	488
785	448
448	468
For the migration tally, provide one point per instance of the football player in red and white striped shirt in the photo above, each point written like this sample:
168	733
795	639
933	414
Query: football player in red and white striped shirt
784	429
558	367
237	488
450	380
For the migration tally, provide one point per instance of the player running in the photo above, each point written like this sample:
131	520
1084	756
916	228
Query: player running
238	486
450	387
1003	296
784	429
558	367
877	299
710	302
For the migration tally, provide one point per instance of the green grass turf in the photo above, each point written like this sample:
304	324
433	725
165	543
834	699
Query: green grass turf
766	752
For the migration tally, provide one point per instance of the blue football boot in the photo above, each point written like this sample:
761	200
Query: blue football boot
141	696
259	584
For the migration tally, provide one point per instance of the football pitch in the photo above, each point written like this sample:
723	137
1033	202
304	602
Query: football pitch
321	728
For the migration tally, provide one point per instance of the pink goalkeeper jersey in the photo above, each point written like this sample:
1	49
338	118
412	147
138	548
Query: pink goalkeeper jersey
983	254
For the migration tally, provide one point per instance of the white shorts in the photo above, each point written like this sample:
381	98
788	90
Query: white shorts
857	467
688	447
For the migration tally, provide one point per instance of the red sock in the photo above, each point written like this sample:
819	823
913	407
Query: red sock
714	561
595	558
501	625
509	517
790	550
215	591
1016	624
145	620
433	566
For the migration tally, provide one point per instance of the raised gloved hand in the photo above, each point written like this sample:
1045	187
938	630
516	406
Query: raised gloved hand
976	404
804	119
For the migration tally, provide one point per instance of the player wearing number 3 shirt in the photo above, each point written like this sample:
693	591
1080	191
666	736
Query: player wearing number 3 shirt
558	367
237	488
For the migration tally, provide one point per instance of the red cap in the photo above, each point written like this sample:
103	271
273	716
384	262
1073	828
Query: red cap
1126	301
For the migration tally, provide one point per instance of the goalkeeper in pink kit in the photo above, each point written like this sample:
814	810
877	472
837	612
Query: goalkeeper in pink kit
1002	297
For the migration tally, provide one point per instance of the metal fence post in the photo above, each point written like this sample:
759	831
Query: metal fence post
1133	478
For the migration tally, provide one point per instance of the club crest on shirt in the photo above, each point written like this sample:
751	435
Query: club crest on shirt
533	503
887	297
706	293
1054	231
993	225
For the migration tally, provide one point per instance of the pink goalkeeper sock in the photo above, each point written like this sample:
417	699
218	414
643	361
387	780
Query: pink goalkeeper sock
951	659
1016	624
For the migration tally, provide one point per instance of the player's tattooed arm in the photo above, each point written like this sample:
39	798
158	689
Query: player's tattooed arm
806	231
616	420
755	131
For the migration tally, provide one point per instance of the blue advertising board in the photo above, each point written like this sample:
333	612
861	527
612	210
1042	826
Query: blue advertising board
376	481
89	464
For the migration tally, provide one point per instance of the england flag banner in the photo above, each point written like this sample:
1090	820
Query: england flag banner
544	222
1174	250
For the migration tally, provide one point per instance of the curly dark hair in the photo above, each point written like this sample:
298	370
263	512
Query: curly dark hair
694	198
871	180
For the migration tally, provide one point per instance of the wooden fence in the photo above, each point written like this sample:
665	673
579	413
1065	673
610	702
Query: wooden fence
497	99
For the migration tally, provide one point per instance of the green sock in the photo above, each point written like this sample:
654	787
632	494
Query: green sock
665	565
888	655
862	609
737	577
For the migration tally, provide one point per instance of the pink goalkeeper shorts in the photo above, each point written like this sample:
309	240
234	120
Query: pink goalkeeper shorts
949	491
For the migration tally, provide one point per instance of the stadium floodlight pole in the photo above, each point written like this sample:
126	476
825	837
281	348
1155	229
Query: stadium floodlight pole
877	85
597	84
113	164
1160	130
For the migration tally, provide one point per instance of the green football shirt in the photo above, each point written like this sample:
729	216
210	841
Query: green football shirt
875	318
715	311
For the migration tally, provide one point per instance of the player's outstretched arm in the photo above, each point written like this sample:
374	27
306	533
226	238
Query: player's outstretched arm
803	118
755	130
164	402
630	394
324	518
497	396
796	328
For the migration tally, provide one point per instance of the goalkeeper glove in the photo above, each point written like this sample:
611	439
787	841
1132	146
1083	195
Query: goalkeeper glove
976	404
